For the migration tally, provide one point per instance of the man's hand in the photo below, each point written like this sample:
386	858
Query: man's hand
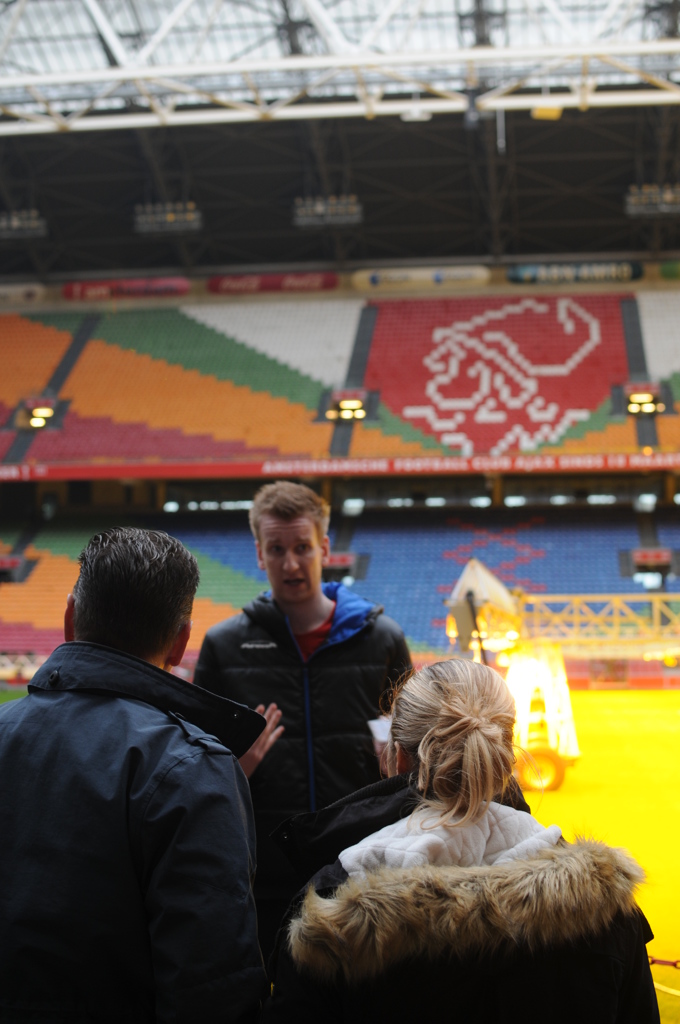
265	741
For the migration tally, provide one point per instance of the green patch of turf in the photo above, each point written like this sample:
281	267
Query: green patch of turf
6	695
70	539
391	425
220	583
674	382
419	647
69	322
598	420
9	534
170	335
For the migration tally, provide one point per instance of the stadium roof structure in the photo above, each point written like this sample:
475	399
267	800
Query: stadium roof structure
87	65
484	130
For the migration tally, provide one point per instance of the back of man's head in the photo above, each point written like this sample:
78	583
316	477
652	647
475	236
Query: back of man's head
135	591
287	501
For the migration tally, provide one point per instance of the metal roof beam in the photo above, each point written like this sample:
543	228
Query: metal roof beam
12	27
327	27
380	22
480	57
107	32
163	30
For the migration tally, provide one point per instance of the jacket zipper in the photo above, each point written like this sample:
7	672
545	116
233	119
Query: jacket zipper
308	709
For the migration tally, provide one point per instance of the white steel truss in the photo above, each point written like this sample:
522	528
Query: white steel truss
88	65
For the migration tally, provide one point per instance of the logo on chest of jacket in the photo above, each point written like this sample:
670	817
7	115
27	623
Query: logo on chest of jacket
258	645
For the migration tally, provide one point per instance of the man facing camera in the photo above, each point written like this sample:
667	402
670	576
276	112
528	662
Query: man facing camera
322	654
127	846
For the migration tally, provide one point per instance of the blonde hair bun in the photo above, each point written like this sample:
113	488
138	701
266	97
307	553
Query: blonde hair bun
455	721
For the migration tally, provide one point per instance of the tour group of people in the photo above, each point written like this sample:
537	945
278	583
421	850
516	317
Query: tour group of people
237	849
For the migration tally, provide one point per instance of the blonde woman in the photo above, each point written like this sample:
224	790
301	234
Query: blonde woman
450	903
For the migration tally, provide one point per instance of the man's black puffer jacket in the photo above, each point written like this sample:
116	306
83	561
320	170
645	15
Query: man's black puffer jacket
326	750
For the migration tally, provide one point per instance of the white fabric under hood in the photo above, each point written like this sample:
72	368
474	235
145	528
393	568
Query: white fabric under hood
502	834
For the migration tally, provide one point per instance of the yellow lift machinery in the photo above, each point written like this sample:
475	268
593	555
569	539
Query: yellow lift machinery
530	635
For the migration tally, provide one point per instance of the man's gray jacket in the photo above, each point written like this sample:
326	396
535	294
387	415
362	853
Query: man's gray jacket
127	849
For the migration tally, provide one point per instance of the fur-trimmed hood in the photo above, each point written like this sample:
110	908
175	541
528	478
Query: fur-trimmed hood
559	896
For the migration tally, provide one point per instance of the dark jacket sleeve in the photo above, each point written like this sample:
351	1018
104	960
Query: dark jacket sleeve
199	859
637	1001
207	671
297	998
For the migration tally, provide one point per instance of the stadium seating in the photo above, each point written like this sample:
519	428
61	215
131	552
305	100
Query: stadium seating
241	380
499	374
416	558
29	353
31	613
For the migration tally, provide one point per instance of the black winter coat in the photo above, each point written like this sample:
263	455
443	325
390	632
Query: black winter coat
557	937
326	750
127	849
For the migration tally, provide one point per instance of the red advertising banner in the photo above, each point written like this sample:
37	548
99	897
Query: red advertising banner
128	288
249	284
417	466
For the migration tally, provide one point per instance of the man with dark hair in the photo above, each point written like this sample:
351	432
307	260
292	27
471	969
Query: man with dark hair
127	847
321	653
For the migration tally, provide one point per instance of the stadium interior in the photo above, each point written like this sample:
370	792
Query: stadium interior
425	259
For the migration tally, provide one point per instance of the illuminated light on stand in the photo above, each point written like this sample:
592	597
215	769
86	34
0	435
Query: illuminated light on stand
22	224
167	218
353	506
319	211
347	404
544	727
482	502
561	499
643	399
435	502
514	500
34	412
601	499
236	506
649	580
645	396
653	200
171	506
